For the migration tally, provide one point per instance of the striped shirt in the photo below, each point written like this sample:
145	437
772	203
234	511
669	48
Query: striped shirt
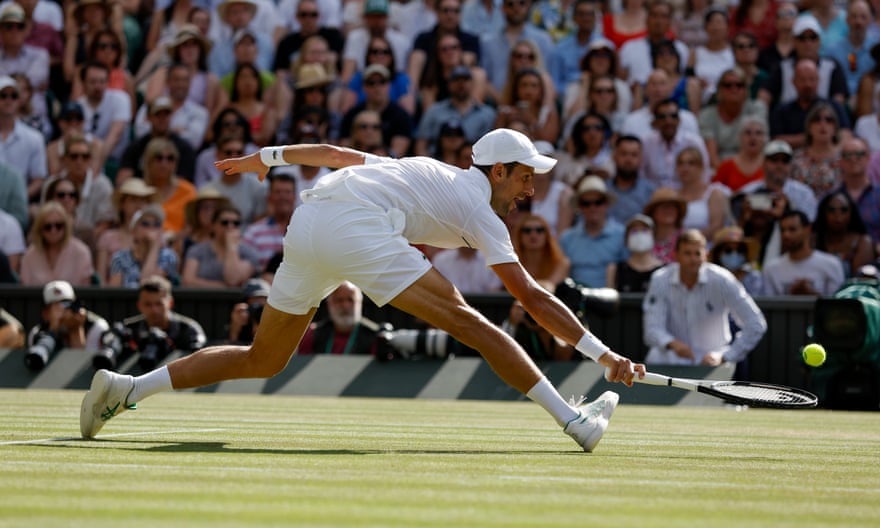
266	236
699	316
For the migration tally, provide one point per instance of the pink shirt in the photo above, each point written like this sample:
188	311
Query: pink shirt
74	265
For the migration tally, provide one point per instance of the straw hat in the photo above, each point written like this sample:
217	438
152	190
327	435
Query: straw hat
186	33
206	193
734	235
310	75
134	187
221	8
665	195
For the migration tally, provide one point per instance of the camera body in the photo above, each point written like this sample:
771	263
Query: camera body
154	346
41	351
412	343
116	346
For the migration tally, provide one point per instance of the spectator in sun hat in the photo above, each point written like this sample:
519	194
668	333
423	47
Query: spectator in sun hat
596	240
129	198
732	250
667	209
15	55
235	15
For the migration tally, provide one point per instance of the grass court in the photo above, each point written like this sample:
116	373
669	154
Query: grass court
190	459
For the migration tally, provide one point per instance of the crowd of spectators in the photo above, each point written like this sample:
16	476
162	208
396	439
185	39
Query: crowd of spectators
757	123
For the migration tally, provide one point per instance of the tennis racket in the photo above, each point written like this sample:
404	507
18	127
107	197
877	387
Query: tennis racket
739	392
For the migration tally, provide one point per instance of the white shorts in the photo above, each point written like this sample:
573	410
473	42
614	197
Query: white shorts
329	242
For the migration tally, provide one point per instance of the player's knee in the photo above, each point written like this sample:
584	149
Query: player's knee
262	365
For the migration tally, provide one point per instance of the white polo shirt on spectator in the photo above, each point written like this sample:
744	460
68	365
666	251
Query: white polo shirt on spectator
658	161
115	106
25	150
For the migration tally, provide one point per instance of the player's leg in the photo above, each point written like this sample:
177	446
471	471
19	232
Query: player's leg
435	300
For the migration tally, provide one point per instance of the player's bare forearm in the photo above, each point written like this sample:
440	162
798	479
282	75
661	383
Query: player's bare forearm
320	155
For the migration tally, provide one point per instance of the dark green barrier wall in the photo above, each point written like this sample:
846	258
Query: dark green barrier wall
775	360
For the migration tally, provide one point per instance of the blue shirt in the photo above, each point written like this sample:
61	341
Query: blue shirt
565	61
478	120
589	255
475	19
221	58
862	62
399	86
123	262
632	201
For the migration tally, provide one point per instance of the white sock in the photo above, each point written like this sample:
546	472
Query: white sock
150	383
545	395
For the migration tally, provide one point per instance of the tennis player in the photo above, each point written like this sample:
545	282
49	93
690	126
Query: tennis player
358	224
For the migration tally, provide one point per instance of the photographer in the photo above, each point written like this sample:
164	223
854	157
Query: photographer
155	332
64	323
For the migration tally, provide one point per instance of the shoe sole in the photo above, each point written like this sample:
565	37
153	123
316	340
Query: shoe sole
88	419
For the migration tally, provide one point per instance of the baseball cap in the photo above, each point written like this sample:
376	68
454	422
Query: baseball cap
507	146
806	23
377	69
56	291
153	209
163	102
777	146
376	7
640	218
256	288
12	12
600	43
460	72
71	109
242	33
8	82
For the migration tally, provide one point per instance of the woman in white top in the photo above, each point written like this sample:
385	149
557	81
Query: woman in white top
710	61
706	204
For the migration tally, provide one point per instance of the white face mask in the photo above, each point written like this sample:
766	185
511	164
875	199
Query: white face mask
733	261
640	241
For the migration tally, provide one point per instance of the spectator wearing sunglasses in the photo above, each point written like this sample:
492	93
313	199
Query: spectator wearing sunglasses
396	123
23	147
54	253
246	192
309	17
71	122
596	240
147	255
157	118
853	49
18	57
224	261
375	24
662	145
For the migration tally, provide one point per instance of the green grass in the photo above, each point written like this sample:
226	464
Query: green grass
226	460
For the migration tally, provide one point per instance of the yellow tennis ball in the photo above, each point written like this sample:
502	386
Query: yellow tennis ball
814	354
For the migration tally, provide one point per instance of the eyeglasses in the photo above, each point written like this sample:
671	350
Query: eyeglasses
54	226
369	126
307	14
837	209
737	85
667	115
782	158
9	95
61	195
856	154
745	46
79	156
375	82
229	124
521	55
592	203
450	10
165	157
752	132
108	45
536	229
603	90
379	51
451	47
515	3
811	37
226	222
730	249
232	152
594	127
150	224
12	25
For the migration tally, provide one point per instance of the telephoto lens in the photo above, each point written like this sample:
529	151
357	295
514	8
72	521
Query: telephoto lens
40	352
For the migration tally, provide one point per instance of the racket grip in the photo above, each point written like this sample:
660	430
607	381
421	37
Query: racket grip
649	379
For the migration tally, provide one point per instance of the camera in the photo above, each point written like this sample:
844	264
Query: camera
410	343
41	351
154	347
583	301
115	347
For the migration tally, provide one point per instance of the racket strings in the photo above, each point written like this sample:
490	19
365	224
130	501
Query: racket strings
761	393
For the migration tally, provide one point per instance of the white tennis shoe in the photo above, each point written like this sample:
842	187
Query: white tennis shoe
587	429
106	398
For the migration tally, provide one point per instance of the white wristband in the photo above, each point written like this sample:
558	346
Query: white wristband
272	156
592	347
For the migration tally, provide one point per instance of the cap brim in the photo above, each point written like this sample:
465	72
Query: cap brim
542	164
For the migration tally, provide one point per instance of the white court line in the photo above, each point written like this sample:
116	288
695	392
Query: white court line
117	435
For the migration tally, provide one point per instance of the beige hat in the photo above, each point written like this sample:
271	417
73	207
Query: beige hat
593	183
310	75
12	12
186	33
206	193
666	195
221	8
734	235
134	187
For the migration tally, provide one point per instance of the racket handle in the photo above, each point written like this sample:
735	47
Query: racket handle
649	379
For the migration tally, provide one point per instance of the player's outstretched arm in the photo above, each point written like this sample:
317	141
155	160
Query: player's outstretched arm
321	155
552	314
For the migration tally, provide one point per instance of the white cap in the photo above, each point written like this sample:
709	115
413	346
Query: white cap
806	23
507	146
777	146
58	290
8	82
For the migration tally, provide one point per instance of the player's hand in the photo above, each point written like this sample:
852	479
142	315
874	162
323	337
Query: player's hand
620	369
249	163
